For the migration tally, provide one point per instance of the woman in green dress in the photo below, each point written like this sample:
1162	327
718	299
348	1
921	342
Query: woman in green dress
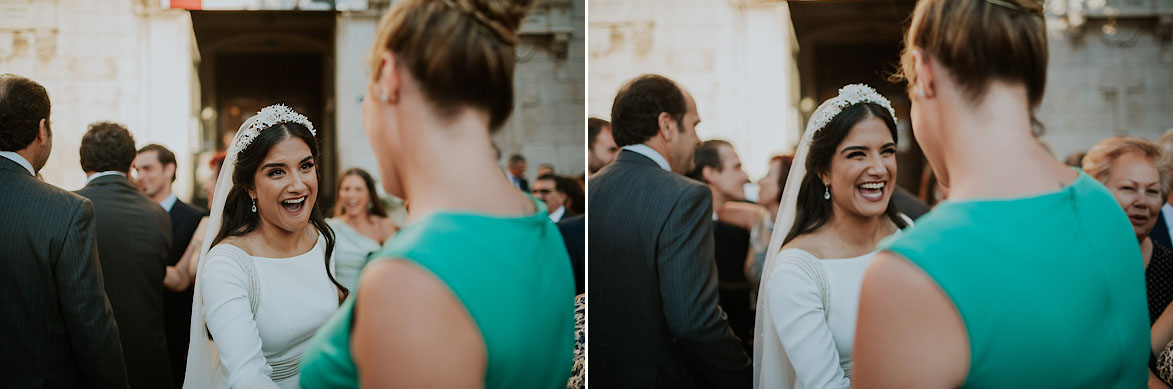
1029	274
475	290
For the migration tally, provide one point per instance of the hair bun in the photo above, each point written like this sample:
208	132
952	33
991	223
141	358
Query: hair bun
503	17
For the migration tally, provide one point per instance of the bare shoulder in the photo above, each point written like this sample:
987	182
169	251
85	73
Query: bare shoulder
909	333
406	323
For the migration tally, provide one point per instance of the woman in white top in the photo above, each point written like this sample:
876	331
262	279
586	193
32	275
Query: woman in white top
360	223
266	283
835	209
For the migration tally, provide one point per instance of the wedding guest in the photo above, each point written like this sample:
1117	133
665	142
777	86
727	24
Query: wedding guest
516	172
134	244
266	280
601	146
837	207
1018	276
1133	170
555	192
476	289
360	225
191	257
1162	233
56	323
155	169
653	291
718	166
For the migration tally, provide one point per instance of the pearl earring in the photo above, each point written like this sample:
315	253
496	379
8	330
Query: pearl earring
254	205
826	193
920	92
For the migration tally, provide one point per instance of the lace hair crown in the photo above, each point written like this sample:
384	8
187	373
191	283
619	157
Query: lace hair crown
849	95
268	117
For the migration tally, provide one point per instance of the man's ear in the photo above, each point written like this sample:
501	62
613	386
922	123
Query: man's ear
43	131
667	126
707	172
169	171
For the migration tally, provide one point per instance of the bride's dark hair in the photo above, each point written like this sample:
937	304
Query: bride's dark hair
239	219
814	211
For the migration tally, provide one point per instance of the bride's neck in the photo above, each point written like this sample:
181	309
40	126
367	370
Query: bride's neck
272	241
858	231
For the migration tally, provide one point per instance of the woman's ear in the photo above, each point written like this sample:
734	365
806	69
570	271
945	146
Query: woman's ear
387	82
925	83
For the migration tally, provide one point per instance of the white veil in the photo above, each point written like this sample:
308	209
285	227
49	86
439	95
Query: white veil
203	360
768	356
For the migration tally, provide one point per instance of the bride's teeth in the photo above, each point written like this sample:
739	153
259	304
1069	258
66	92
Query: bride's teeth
294	201
874	185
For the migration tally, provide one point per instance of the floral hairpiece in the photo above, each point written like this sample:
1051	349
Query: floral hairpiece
268	117
849	95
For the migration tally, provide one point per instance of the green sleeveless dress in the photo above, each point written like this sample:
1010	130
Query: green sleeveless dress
512	275
1051	288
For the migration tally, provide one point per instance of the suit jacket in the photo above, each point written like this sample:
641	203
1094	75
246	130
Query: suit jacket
56	325
134	242
1160	232
731	248
654	319
573	231
177	305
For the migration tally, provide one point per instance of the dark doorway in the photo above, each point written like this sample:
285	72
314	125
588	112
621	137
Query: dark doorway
252	59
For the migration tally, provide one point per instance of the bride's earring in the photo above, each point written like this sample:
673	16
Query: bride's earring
254	205
920	92
826	192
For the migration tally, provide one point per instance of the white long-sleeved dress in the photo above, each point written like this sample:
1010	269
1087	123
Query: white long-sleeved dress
815	345
296	297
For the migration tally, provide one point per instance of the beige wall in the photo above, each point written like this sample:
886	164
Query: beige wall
736	58
109	60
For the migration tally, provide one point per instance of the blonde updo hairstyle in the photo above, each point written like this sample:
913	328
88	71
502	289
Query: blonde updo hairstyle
980	41
461	52
1098	161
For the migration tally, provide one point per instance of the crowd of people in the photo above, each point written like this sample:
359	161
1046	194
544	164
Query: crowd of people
1014	270
122	284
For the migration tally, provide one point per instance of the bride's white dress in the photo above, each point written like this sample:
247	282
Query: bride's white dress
295	299
813	345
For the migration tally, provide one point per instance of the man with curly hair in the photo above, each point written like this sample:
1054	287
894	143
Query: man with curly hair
134	244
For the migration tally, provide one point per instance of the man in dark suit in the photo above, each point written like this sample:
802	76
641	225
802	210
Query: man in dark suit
573	231
516	172
654	318
155	172
134	242
56	325
718	165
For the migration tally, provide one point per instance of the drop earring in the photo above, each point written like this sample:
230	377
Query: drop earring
826	193
254	205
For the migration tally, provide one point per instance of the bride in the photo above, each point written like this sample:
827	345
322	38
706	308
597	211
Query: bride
266	283
835	209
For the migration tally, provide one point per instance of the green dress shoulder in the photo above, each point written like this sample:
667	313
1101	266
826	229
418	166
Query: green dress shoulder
1051	288
512	275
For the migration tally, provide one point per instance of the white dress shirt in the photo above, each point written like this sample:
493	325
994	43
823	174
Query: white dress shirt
19	160
557	214
649	152
169	202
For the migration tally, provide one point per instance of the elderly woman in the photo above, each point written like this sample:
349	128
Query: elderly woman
1135	171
